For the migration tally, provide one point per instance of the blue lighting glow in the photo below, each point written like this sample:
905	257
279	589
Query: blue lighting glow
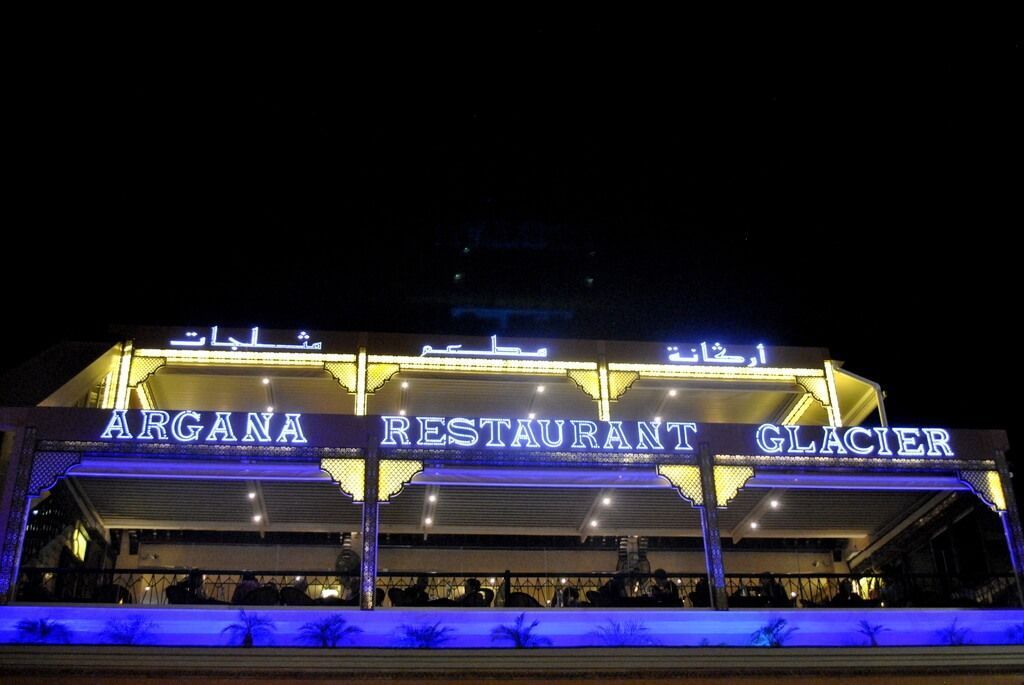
472	628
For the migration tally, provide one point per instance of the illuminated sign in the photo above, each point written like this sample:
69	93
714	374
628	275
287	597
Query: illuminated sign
856	441
220	427
715	355
659	436
192	339
549	434
544	435
495	351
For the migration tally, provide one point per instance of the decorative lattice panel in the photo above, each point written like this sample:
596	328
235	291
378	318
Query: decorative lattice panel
394	474
619	382
729	480
817	387
988	486
349	474
589	382
379	374
48	467
686	480
345	373
144	367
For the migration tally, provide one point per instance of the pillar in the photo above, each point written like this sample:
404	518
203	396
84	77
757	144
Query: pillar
709	526
1011	524
371	514
14	503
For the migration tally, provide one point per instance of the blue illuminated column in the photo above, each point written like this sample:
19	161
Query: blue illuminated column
709	526
14	510
371	513
1011	524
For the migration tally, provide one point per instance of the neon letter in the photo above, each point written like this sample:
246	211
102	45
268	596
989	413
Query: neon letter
257	427
118	423
154	420
768	445
794	442
430	432
494	427
938	442
830	441
650	435
395	425
883	442
584	430
545	436
908	439
462	432
221	427
616	435
851	442
524	431
183	433
292	430
683	432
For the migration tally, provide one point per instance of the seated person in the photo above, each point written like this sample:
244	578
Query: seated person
33	587
189	590
350	591
472	596
662	590
567	596
701	595
247	584
416	595
773	592
612	593
845	596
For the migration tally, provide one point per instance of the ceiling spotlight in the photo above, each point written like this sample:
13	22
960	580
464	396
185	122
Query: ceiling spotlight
252	495
753	524
270	408
593	523
563	581
532	415
428	521
606	501
405	385
492	581
540	388
432	498
401	412
266	381
673	393
774	504
657	419
257	518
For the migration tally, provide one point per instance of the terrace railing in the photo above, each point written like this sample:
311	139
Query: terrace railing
155	586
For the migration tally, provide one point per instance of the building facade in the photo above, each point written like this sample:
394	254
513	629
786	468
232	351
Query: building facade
529	465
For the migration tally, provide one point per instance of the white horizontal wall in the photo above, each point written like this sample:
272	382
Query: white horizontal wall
314	558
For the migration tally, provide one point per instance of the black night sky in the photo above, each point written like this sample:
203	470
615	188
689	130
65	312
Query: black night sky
857	193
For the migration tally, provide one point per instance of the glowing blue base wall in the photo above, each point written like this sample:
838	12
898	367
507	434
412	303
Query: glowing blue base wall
204	626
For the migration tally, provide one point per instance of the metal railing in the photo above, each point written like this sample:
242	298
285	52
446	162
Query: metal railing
505	588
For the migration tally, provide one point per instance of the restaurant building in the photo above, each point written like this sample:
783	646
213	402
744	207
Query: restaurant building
176	465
